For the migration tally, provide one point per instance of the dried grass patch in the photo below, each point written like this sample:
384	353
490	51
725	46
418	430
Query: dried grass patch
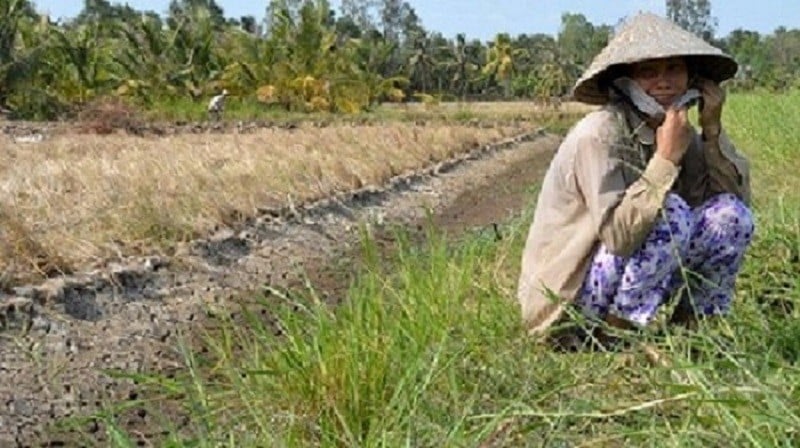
77	198
495	110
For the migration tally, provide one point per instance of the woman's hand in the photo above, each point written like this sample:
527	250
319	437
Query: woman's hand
674	135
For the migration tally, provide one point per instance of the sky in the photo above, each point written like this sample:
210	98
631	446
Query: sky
482	19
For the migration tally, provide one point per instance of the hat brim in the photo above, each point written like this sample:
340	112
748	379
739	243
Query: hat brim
594	88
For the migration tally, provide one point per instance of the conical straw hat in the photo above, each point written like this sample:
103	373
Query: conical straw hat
648	36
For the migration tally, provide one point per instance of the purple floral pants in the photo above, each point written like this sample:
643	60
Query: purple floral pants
704	245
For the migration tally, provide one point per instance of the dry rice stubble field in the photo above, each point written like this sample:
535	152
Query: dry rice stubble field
75	201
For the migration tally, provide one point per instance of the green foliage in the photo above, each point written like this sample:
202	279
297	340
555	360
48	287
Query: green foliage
309	58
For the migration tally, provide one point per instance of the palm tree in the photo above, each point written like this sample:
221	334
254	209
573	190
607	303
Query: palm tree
463	67
421	62
500	61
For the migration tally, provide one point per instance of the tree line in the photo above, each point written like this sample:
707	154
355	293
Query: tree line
306	56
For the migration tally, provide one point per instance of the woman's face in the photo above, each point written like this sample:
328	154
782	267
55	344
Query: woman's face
663	79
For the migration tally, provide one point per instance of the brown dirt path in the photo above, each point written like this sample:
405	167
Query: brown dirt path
58	336
495	198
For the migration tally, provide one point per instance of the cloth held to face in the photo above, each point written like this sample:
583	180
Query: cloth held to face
646	104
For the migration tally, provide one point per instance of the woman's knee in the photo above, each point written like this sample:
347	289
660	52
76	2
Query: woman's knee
729	217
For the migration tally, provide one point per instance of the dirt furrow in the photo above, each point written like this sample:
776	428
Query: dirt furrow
59	335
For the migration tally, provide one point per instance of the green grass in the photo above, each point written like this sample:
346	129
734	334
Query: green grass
428	351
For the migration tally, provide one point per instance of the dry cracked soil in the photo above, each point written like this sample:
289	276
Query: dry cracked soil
57	337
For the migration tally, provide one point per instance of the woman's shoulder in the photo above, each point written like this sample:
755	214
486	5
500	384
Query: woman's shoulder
604	124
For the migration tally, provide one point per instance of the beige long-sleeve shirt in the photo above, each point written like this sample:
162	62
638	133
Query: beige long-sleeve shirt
606	185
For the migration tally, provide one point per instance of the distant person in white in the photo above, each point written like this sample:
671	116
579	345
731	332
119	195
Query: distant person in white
217	105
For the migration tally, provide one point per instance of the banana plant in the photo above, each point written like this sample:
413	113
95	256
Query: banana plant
193	52
249	65
27	79
13	60
87	57
145	59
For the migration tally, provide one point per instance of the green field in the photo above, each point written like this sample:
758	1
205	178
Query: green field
428	350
